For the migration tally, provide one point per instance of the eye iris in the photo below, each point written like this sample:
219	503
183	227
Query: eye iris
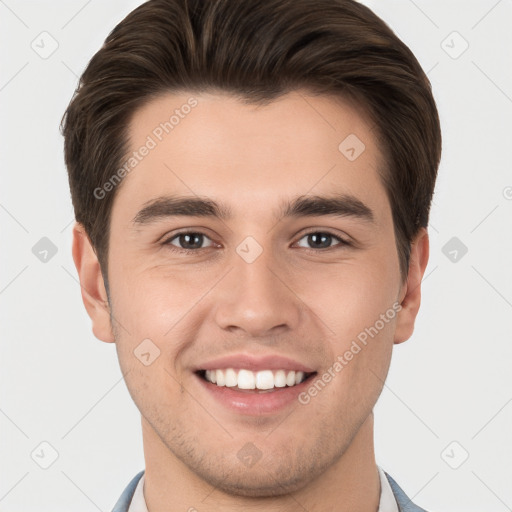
187	237
319	239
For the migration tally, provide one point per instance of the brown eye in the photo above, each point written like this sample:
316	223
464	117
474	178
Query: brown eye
188	240
322	240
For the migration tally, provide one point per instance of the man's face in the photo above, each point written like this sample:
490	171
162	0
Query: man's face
254	290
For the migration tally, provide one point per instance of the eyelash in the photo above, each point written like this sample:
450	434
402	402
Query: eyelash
342	242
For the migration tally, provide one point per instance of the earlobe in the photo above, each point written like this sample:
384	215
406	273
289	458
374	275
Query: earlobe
411	290
94	295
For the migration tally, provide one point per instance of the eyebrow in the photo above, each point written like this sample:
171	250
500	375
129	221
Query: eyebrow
339	205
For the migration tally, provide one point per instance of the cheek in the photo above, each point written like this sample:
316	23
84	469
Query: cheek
358	305
151	317
352	298
154	388
152	302
160	312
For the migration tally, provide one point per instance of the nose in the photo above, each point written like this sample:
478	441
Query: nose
257	299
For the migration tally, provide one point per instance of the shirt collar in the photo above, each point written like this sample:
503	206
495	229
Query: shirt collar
387	501
387	498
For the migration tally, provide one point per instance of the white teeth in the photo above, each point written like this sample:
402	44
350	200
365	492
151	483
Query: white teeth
231	380
280	379
219	375
265	379
247	379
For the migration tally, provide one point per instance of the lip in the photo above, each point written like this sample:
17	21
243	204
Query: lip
255	363
253	402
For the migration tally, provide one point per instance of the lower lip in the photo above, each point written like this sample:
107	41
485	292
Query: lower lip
252	402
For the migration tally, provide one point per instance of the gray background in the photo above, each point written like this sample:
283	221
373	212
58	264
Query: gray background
449	392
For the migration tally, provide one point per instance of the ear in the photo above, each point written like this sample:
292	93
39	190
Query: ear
410	293
94	294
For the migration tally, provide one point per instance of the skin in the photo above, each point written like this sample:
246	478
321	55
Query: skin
295	299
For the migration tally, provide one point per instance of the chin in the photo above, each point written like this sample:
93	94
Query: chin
259	484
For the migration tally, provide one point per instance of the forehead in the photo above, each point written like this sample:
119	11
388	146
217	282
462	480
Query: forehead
214	145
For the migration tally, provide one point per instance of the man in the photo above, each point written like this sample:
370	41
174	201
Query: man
252	184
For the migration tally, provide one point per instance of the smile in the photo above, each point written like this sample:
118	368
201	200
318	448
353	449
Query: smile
244	379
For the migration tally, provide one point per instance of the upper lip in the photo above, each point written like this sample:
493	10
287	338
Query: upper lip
255	363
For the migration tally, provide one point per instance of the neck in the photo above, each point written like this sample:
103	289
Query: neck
351	484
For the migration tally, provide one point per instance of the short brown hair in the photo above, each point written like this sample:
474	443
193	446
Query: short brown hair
256	50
